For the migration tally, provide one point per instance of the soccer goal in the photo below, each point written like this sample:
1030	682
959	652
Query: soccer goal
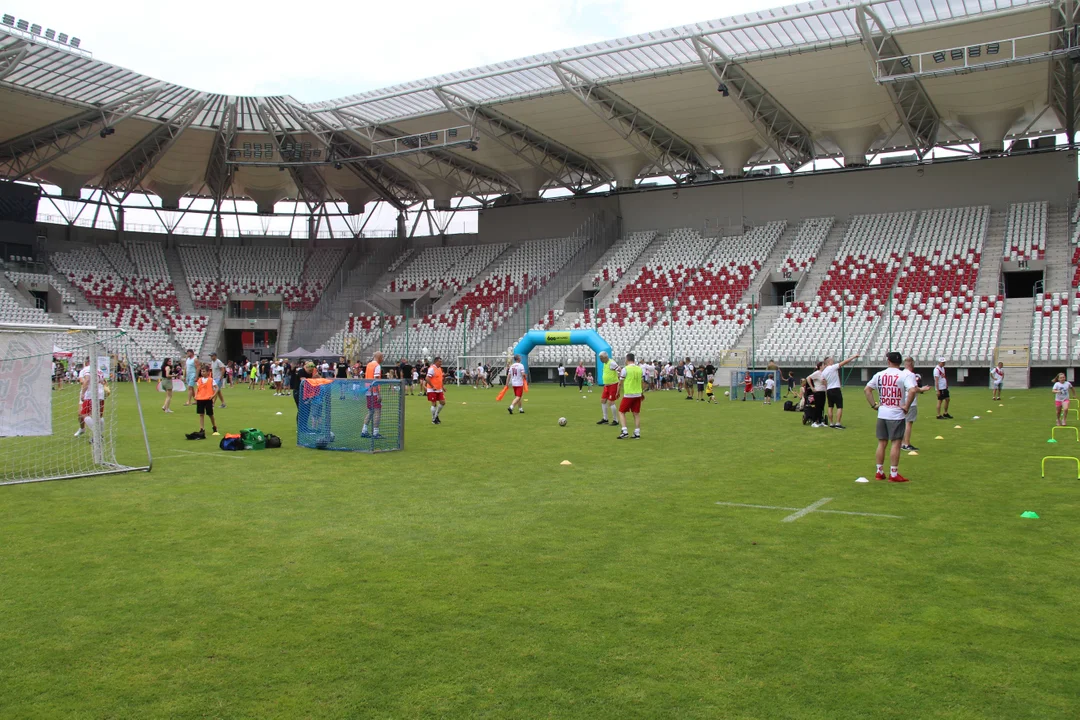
356	415
496	367
737	390
48	434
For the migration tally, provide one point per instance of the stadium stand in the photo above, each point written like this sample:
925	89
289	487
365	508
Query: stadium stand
857	286
428	266
935	309
611	267
1025	231
152	274
1050	328
365	329
808	242
89	270
522	272
201	268
462	272
17	277
12	312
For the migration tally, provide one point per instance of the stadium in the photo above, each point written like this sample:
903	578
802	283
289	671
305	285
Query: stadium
755	195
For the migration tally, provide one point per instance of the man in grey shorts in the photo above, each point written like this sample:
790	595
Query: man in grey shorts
913	411
895	394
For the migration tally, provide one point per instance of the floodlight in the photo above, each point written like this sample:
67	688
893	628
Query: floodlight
35	29
50	34
975	51
62	38
23	25
722	88
992	48
75	42
939	57
905	62
106	131
957	53
9	20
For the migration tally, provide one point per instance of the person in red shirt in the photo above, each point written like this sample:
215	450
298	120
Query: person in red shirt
748	388
435	395
373	372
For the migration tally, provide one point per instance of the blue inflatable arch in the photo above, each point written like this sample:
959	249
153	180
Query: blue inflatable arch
563	337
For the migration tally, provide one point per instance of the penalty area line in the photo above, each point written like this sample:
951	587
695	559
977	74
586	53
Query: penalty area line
806	510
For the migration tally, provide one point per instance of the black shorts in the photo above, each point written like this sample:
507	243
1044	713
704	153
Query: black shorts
205	407
835	398
700	386
768	393
943	394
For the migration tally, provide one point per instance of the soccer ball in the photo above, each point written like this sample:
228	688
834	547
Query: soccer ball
726	393
562	421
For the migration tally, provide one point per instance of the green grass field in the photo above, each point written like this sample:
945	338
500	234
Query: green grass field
474	576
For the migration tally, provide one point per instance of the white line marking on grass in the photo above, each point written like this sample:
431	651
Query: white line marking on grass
187	453
814	508
806	510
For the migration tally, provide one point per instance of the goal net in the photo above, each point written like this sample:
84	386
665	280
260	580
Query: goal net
475	369
737	390
356	415
50	426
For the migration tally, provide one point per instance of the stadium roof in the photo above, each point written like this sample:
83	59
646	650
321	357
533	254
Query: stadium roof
824	79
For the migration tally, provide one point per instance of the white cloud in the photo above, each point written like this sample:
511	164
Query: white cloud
322	51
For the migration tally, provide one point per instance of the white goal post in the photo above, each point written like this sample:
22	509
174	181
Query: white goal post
50	426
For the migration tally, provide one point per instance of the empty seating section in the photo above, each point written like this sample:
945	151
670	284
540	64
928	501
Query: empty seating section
521	273
427	267
189	330
935	310
262	271
693	282
856	286
365	329
12	312
459	276
1025	231
88	269
400	260
318	271
803	253
616	261
152	274
1050	327
202	270
17	277
147	338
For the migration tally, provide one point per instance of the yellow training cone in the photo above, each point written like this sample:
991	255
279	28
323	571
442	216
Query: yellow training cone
939	438
913	453
956	427
566	462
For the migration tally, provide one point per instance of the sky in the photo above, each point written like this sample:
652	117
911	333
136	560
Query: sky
320	53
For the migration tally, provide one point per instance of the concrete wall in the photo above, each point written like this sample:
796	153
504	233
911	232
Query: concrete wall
993	181
541	220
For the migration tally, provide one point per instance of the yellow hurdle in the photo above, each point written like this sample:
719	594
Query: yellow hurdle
1061	457
1054	429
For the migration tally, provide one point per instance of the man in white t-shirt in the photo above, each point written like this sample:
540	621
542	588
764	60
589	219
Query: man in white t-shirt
942	385
562	375
86	393
217	372
834	395
997	379
913	411
895	393
515	377
688	378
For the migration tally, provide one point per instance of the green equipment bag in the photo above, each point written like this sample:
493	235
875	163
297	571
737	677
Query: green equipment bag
253	439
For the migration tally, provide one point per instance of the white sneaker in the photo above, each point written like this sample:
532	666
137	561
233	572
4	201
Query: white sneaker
814	425
79	432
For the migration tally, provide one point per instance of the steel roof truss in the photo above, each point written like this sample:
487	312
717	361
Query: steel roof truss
564	166
1064	80
670	154
126	174
28	153
778	128
909	98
